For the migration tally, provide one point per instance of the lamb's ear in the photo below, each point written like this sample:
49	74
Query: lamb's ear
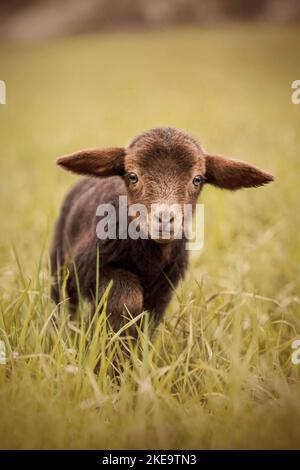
95	162
234	174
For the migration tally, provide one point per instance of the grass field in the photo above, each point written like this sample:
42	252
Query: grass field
219	372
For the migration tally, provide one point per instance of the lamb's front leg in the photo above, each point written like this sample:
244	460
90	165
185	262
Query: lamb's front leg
158	297
126	295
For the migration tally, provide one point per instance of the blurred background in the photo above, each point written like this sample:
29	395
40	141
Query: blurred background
37	19
95	73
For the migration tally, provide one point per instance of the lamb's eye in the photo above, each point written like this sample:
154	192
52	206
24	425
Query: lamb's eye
132	177
197	180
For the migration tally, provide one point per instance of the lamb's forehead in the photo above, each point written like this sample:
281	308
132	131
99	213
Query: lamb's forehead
168	137
165	143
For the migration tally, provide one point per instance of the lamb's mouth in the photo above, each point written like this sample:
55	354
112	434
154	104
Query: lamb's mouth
163	241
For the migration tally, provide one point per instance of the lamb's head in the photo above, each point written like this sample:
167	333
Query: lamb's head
164	170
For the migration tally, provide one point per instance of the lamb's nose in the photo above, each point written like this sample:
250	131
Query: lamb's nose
163	218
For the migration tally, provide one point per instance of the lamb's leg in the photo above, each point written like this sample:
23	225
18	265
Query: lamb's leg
126	295
125	302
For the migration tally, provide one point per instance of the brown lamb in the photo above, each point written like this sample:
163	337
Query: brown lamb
162	165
